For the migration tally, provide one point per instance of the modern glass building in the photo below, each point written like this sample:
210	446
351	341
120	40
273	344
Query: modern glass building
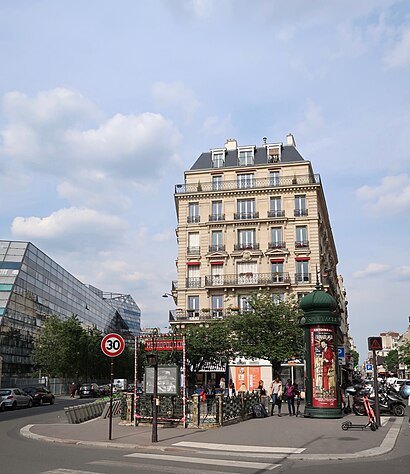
33	286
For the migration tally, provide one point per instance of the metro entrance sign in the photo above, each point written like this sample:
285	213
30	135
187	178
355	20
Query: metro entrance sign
112	345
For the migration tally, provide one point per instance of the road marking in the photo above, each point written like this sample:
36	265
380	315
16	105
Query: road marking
212	462
69	471
241	448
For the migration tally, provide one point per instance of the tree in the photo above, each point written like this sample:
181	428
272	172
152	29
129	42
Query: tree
354	355
391	361
270	330
404	353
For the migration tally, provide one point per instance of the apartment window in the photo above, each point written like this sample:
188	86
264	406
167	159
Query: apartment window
278	298
193	306
273	154
277	271
194	276
247	272
276	238
300	206
246	209
274	179
193	242
244	303
245	180
277	267
217	274
246	239
275	209
216	183
217	244
193	212
302	271
217	305
218	159
216	211
245	157
301	236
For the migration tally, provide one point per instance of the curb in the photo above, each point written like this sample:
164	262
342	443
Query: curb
386	446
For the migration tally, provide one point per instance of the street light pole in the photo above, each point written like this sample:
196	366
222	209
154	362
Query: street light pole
153	362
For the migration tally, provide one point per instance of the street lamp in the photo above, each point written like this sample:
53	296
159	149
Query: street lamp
152	360
165	295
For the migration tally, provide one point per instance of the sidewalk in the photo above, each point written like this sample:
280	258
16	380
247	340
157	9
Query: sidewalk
296	438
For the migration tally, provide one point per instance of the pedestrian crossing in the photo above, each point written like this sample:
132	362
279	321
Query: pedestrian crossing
211	458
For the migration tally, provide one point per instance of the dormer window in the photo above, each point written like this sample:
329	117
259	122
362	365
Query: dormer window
273	153
218	158
246	156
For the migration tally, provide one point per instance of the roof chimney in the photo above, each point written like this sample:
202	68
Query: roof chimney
231	144
290	140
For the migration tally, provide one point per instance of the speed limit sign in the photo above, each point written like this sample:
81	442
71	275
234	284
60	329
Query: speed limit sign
112	345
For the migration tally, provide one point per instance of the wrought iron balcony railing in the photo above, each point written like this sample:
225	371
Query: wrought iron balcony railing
193	219
250	184
246	246
193	250
196	314
301	243
302	278
276	213
216	217
193	282
277	245
273	278
246	215
300	212
217	248
174	285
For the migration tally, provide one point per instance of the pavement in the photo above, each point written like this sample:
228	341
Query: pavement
293	437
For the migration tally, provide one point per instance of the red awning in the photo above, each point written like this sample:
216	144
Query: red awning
302	259
277	260
193	263
216	263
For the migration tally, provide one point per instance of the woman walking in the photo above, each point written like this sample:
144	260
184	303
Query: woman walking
276	395
290	397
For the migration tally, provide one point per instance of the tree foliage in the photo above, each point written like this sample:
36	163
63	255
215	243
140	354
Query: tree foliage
269	331
67	349
391	360
404	353
354	357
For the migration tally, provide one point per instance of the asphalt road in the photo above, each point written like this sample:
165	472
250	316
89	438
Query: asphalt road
20	455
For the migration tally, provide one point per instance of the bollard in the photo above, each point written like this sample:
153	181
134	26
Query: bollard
74	413
69	414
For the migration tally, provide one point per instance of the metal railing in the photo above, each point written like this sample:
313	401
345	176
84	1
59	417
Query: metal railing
246	215
217	248
193	219
274	278
303	278
193	282
246	247
277	245
193	250
300	212
251	184
216	217
275	213
301	243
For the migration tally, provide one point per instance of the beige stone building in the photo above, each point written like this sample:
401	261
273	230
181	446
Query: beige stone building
251	218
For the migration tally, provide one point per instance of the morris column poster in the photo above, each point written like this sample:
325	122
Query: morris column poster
324	359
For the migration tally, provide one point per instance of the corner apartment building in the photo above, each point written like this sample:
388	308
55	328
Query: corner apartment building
251	218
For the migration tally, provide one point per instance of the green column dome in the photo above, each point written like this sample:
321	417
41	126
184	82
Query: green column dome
318	300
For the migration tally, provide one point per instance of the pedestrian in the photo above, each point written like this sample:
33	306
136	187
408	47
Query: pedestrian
296	392
73	388
290	397
242	388
276	395
222	385
261	388
231	388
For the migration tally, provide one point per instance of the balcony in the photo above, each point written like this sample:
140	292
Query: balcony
193	282
301	244
246	247
216	217
193	219
246	215
300	212
174	285
276	245
301	278
246	279
199	315
193	250
217	248
276	213
255	184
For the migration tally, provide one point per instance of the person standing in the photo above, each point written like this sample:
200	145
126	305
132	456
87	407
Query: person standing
276	395
296	392
231	388
290	397
73	388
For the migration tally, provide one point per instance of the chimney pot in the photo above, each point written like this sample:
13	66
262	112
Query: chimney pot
290	140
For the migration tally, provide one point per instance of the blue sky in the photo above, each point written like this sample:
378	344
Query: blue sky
104	104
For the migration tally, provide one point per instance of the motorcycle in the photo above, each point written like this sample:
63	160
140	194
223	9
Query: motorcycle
389	401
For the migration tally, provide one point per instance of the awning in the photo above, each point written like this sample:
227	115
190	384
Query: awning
302	259
277	260
193	263
216	263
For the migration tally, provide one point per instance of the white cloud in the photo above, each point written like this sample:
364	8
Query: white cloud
71	229
175	94
218	126
312	122
372	269
392	195
402	272
167	234
399	55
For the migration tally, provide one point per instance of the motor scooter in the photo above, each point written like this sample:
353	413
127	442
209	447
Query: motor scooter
389	402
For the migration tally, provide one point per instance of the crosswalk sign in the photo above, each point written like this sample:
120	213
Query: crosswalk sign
374	343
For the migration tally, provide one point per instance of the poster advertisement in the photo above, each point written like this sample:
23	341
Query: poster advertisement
250	376
324	359
254	377
241	377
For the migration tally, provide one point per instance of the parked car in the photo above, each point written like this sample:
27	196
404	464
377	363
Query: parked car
405	389
15	397
40	395
2	405
89	390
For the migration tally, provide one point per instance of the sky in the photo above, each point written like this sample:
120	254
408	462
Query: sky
104	104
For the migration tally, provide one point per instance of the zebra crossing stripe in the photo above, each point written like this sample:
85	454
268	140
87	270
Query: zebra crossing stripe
240	448
69	471
211	462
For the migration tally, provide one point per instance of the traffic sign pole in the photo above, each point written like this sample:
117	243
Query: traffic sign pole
111	392
376	390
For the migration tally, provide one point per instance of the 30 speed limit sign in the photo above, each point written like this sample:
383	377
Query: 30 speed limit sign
112	345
